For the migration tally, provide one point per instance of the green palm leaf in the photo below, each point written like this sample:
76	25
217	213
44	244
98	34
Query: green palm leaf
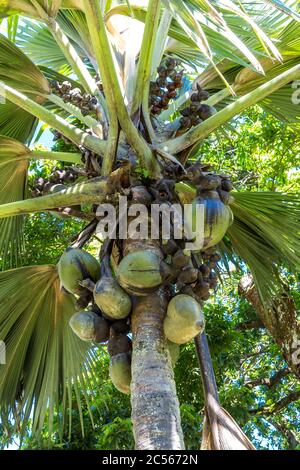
13	177
243	78
17	123
18	71
37	42
45	361
28	8
266	236
282	7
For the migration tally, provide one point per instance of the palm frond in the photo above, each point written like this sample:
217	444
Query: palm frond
18	71
244	80
242	77
224	433
13	177
37	42
16	122
12	27
265	235
28	8
282	7
75	26
45	360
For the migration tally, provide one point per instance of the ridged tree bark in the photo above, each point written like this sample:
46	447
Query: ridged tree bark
280	320
155	406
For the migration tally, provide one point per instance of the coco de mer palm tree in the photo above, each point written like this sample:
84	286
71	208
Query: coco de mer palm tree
132	90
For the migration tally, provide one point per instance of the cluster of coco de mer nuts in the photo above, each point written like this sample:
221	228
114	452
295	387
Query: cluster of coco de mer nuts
87	103
56	182
105	296
197	111
163	89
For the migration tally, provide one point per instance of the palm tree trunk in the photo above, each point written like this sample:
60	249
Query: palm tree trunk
155	406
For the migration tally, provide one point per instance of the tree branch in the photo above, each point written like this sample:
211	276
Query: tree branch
249	325
160	40
280	320
278	406
268	382
287	433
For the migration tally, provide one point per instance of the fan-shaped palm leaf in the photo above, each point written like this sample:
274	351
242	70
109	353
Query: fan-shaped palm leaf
16	122
43	356
13	176
28	8
37	42
18	71
244	79
266	236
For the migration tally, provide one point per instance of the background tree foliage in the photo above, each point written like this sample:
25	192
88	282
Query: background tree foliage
254	382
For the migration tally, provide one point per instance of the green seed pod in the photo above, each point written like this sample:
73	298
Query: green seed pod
120	372
184	319
76	265
217	218
139	272
111	298
88	326
174	350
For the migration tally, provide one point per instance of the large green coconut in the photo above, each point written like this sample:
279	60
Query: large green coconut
74	266
139	272
88	326
111	298
120	372
217	218
184	319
